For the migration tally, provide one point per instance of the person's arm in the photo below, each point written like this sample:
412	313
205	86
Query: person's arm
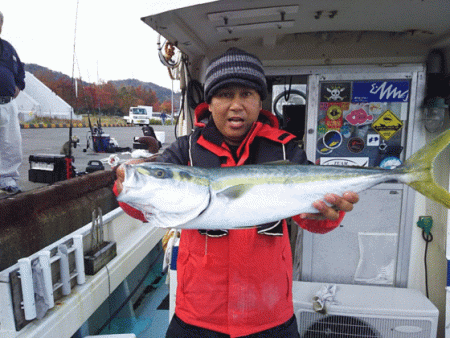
328	218
19	74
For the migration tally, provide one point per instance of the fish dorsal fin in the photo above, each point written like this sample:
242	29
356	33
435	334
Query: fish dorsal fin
235	191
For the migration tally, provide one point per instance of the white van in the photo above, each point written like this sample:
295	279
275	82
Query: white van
140	115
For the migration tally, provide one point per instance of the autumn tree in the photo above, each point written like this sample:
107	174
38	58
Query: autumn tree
127	99
65	90
114	96
166	107
104	98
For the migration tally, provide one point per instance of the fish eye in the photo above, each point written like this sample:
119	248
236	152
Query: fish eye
159	173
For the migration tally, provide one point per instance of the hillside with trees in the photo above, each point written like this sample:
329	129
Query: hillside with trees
106	98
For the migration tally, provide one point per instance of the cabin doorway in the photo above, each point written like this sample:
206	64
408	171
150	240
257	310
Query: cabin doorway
289	105
363	116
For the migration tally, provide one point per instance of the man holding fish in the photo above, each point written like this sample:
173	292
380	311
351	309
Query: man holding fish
231	282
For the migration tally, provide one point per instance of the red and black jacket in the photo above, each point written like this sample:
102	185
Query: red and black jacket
241	283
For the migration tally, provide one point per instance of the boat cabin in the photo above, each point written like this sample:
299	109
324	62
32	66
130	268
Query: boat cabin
363	83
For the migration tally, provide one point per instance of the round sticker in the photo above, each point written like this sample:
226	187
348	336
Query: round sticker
355	145
334	112
332	139
346	131
322	148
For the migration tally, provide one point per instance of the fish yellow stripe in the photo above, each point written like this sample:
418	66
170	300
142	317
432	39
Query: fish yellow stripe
272	178
186	177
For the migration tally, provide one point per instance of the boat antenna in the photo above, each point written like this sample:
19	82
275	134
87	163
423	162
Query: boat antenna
69	161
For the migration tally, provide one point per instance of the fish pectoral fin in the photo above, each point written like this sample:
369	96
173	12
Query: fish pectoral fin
235	191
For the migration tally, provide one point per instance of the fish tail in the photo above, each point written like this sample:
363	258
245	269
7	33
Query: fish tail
421	167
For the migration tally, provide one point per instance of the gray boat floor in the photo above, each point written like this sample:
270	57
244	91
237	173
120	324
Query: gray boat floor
151	317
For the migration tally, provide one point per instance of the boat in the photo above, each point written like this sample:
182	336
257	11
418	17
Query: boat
359	83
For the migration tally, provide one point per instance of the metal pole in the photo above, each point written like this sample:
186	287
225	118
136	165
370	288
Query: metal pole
172	104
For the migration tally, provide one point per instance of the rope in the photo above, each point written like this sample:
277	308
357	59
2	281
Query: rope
428	238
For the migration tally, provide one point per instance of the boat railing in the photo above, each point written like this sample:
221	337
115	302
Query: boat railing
50	293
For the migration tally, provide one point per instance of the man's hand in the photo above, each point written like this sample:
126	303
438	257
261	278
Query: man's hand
338	203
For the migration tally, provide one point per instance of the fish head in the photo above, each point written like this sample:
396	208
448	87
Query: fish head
167	194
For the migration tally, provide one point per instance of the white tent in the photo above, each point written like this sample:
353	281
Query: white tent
39	100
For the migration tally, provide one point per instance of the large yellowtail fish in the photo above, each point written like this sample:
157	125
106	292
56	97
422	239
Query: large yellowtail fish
174	196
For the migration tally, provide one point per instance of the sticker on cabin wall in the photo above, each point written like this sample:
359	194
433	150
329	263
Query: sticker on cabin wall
334	119
355	145
321	129
335	92
325	105
380	91
332	139
346	131
373	140
345	161
390	162
387	125
358	117
322	148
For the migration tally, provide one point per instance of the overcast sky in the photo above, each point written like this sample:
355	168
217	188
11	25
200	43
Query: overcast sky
111	43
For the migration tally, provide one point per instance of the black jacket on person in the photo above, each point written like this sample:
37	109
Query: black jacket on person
12	72
208	290
206	148
222	281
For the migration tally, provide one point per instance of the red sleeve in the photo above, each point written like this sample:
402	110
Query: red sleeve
319	227
129	210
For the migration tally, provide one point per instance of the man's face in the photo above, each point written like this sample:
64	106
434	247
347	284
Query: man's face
234	110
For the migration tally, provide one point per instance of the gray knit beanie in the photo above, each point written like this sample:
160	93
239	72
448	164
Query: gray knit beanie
235	67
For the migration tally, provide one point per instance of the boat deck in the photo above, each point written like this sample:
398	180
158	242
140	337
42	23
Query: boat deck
151	316
140	305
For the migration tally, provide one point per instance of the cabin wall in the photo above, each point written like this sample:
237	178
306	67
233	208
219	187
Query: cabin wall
436	257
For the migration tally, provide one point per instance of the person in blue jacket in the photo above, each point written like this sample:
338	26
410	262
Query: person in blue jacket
163	118
12	81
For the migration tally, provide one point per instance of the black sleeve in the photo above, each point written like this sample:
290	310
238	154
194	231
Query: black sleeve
295	154
177	152
19	71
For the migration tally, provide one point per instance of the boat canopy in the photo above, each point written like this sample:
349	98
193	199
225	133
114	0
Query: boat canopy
322	32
